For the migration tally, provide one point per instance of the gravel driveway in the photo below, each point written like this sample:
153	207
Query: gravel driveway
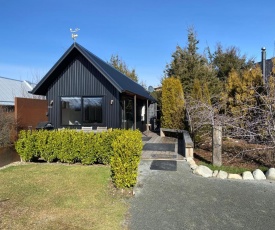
178	199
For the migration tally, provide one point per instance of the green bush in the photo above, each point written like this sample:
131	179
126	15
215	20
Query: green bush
44	145
127	149
119	148
26	145
107	150
87	154
70	146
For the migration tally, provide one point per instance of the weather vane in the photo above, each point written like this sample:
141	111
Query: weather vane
74	33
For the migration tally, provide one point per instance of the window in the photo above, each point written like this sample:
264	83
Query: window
73	109
92	109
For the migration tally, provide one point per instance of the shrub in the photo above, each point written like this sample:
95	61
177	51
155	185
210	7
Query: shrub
44	145
87	153
127	149
119	148
69	147
107	150
26	145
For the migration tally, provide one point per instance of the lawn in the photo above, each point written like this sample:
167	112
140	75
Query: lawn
56	196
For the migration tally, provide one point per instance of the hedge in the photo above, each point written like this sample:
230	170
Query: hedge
125	159
119	148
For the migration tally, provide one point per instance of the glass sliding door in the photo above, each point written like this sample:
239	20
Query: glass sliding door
127	105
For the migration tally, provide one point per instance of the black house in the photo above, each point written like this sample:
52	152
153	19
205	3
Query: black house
83	90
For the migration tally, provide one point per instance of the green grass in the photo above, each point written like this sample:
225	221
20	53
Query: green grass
231	169
55	196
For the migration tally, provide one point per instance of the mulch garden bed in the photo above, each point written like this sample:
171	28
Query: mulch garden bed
237	153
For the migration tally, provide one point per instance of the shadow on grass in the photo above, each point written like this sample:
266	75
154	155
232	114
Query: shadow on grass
202	159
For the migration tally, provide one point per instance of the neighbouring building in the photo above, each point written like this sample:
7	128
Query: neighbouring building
11	88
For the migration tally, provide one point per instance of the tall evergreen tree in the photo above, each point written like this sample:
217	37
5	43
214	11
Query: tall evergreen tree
241	90
121	66
196	92
172	103
187	65
225	60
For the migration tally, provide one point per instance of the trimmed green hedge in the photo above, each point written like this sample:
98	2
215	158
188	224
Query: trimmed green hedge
125	159
119	148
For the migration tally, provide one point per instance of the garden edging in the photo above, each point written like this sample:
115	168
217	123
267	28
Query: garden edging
204	171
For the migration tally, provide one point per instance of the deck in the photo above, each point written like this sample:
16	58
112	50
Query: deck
161	148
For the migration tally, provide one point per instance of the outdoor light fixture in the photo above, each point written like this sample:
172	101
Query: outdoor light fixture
111	102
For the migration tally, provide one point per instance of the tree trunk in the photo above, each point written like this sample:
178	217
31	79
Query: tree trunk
217	145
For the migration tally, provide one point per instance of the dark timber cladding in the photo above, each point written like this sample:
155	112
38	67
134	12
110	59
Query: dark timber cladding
78	77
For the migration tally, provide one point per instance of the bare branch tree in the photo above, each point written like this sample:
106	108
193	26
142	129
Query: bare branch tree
7	125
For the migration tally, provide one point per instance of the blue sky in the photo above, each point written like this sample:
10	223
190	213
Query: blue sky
35	33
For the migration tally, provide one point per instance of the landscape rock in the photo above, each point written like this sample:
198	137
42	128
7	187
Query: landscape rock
193	166
234	176
259	175
270	174
222	174
190	160
215	173
203	171
191	163
247	175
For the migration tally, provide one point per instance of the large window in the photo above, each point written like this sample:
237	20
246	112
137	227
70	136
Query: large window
79	111
92	109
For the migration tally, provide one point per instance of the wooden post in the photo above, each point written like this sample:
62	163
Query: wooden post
217	145
147	116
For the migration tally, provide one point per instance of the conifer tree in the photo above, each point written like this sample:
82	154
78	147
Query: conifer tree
226	60
172	103
187	65
196	92
241	94
121	66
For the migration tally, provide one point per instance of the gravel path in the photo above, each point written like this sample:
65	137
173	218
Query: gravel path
181	200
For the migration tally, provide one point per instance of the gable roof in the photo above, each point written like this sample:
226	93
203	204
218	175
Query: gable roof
11	88
120	81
